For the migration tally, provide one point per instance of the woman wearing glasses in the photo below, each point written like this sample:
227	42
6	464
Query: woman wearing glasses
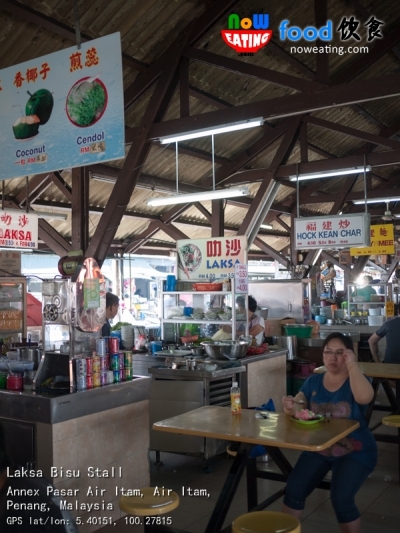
341	392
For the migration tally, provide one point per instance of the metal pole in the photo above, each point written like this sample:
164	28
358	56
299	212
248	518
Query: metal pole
297	191
77	25
213	163
365	185
27	194
176	166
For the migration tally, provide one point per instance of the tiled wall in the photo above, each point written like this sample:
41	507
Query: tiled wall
267	379
118	437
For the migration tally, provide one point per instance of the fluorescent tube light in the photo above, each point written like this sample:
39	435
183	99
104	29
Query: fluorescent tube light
50	215
266	226
330	173
198	196
377	200
242	125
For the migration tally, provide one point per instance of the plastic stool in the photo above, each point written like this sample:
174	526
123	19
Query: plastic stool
231	452
394	421
266	522
150	504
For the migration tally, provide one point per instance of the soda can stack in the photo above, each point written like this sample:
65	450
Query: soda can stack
89	372
80	367
96	370
128	366
113	344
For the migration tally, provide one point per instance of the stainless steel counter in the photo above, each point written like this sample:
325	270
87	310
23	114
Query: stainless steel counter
318	340
33	407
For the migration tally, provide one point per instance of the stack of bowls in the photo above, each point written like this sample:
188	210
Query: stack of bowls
127	337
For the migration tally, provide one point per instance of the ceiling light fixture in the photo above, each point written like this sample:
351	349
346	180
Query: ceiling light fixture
198	196
49	215
104	179
235	126
377	200
266	226
330	173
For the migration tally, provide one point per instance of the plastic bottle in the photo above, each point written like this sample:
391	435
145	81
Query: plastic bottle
236	404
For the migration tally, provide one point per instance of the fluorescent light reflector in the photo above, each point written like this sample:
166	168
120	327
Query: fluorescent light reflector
266	226
330	173
199	196
242	125
377	200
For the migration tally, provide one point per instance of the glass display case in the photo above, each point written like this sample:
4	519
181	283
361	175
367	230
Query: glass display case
13	308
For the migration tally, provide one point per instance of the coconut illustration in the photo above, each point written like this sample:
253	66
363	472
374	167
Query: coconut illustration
40	104
26	127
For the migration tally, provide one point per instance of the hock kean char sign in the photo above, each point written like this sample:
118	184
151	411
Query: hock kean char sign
339	231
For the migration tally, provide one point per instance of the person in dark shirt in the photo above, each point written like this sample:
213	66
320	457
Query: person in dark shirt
112	305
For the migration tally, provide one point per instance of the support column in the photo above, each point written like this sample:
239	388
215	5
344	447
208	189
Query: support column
217	218
80	209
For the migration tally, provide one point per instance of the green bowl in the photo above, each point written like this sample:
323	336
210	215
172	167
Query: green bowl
299	330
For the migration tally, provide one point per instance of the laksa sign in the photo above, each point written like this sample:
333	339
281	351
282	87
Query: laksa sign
340	231
18	229
210	259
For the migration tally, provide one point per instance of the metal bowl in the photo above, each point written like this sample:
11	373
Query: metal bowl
224	349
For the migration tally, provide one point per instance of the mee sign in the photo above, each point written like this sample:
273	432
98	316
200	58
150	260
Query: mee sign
338	231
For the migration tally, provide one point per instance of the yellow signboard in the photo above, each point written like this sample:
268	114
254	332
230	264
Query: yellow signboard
389	309
382	241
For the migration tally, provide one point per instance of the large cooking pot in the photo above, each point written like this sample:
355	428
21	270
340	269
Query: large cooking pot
287	342
30	354
263	311
225	349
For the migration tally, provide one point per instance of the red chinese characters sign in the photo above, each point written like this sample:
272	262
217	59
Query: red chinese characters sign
339	231
210	259
18	229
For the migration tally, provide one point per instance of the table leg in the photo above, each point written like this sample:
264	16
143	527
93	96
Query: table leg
375	386
228	490
251	477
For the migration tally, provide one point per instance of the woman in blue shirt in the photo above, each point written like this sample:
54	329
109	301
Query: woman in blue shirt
341	392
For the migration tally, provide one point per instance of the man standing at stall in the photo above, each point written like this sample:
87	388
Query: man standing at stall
391	330
112	306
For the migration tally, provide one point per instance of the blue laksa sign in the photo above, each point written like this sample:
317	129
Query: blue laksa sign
63	110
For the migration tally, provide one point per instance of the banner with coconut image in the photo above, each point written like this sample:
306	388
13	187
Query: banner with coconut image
63	110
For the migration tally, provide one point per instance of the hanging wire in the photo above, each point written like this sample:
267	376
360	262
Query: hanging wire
365	183
176	167
297	190
213	162
77	25
27	194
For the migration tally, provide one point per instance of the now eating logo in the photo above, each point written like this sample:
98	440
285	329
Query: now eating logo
252	36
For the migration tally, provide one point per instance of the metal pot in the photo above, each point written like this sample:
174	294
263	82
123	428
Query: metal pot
223	349
287	342
263	311
197	351
31	354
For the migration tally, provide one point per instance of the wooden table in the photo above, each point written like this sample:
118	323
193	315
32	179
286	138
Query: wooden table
277	432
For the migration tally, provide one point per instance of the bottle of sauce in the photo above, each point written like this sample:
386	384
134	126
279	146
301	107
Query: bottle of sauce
236	404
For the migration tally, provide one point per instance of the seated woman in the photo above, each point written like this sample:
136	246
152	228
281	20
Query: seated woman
341	392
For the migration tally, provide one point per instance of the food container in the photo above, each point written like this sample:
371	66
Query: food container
225	349
359	299
321	319
206	287
375	320
14	381
300	330
3	380
374	311
28	379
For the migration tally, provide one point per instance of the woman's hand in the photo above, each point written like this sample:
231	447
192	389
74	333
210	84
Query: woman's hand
288	404
349	356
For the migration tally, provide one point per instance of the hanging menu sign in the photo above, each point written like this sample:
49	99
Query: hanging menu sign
18	229
382	241
334	231
210	259
63	110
